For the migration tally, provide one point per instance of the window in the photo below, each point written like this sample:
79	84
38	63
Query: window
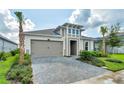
86	45
69	31
73	31
77	32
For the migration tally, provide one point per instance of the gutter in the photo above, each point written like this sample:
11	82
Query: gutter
8	40
43	35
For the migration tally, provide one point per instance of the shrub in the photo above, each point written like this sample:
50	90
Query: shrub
90	57
97	54
1	55
14	52
26	80
26	75
27	56
85	55
93	53
114	60
21	73
97	62
4	55
27	59
27	62
7	54
12	75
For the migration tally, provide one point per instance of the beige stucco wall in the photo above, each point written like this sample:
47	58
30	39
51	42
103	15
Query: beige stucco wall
81	44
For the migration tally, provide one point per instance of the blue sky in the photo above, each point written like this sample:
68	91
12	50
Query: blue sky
36	19
47	18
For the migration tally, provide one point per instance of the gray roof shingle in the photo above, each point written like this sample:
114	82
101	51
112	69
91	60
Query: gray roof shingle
53	32
45	31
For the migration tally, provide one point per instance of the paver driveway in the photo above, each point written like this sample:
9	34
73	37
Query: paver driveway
59	70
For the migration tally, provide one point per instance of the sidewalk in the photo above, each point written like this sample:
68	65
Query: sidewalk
107	78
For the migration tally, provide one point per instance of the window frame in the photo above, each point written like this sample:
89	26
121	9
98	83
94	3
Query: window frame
73	31
77	32
69	31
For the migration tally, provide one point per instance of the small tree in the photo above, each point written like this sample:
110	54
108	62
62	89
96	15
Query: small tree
114	40
20	19
103	31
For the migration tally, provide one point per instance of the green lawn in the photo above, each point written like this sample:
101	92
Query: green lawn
114	66
4	68
117	56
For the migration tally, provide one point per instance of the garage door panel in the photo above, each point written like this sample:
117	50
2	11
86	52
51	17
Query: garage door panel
46	48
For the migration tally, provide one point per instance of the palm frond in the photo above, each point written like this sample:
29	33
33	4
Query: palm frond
19	16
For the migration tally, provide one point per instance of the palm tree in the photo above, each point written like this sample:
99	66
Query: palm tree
103	31
20	19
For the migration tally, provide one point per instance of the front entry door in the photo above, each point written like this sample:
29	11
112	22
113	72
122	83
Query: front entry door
73	47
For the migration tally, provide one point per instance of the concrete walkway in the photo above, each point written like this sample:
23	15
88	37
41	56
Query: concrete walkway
107	78
62	70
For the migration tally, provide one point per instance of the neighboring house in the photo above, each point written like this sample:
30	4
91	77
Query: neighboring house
65	40
97	44
7	45
108	48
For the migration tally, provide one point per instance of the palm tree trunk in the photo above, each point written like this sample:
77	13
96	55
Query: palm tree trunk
21	44
103	46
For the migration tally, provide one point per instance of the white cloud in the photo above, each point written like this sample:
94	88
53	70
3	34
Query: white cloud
29	25
80	16
11	25
74	16
84	34
93	19
85	17
11	35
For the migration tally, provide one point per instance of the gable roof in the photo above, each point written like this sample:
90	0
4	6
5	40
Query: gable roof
45	31
6	39
53	31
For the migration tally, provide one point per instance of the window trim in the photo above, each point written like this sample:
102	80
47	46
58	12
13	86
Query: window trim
87	45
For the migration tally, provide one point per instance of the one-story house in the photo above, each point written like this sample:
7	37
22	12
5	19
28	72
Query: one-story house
7	45
64	40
